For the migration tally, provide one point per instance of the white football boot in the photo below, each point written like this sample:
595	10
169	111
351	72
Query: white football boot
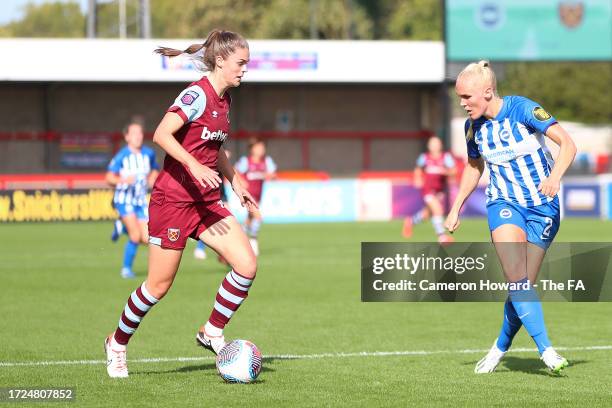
116	359
212	343
489	363
553	360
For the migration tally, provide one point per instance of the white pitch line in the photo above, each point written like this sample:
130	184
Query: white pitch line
296	356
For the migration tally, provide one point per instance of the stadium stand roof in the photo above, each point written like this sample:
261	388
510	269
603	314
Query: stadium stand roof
280	61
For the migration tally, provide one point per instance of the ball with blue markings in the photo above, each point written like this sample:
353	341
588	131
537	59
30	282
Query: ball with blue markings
239	362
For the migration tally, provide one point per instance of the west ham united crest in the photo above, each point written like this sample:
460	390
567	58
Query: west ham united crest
571	12
174	234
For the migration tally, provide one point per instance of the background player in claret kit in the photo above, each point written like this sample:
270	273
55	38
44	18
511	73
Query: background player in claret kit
433	171
522	204
186	198
132	171
255	169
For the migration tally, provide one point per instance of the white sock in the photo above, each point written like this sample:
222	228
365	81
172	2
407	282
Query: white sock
212	331
116	346
438	222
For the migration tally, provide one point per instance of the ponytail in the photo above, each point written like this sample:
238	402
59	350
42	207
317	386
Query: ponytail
173	52
219	43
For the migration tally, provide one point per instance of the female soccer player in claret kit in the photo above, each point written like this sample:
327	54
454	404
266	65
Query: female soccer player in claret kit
132	171
433	171
186	199
256	169
522	204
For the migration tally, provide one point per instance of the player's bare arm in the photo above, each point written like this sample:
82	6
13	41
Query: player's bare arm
551	185
469	181
152	177
418	177
113	179
164	137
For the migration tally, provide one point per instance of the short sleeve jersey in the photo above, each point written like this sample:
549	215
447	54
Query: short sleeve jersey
435	169
206	127
137	164
513	147
255	172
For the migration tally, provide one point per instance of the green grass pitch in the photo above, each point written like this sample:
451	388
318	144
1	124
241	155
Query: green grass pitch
61	294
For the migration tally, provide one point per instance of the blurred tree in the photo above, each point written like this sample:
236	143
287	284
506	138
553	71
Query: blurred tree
405	19
568	90
48	20
195	18
108	19
272	19
335	20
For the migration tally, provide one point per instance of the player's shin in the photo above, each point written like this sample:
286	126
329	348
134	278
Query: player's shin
137	306
131	248
438	224
529	310
233	291
254	228
510	326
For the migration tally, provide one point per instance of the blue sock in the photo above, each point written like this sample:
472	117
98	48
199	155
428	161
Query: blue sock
254	230
529	309
201	245
418	217
129	254
511	325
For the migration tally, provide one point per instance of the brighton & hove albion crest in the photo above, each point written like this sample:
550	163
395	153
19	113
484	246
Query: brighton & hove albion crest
571	12
174	234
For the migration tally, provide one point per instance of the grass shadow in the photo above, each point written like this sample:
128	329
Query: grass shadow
532	365
203	367
528	365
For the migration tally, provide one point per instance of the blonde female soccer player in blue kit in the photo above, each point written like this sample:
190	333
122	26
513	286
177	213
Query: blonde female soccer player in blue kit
522	204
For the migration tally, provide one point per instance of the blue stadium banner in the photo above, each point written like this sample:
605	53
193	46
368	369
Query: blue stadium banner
582	200
304	201
527	30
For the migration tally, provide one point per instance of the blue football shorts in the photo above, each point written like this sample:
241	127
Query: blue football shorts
141	211
541	223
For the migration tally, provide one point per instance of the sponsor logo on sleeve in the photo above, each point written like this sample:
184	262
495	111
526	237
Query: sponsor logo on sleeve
189	97
540	114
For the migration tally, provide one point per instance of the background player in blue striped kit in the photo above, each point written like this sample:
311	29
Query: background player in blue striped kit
132	171
522	204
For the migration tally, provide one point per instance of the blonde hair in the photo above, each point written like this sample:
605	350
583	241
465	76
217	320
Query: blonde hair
218	43
481	70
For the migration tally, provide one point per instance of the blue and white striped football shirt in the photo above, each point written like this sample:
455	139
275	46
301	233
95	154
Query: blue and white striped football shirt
512	144
127	163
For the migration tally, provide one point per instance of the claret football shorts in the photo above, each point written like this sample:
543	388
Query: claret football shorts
170	223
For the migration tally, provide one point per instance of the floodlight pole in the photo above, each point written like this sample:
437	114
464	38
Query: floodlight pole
314	29
145	19
92	18
122	20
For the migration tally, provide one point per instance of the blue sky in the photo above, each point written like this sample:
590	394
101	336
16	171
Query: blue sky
13	9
